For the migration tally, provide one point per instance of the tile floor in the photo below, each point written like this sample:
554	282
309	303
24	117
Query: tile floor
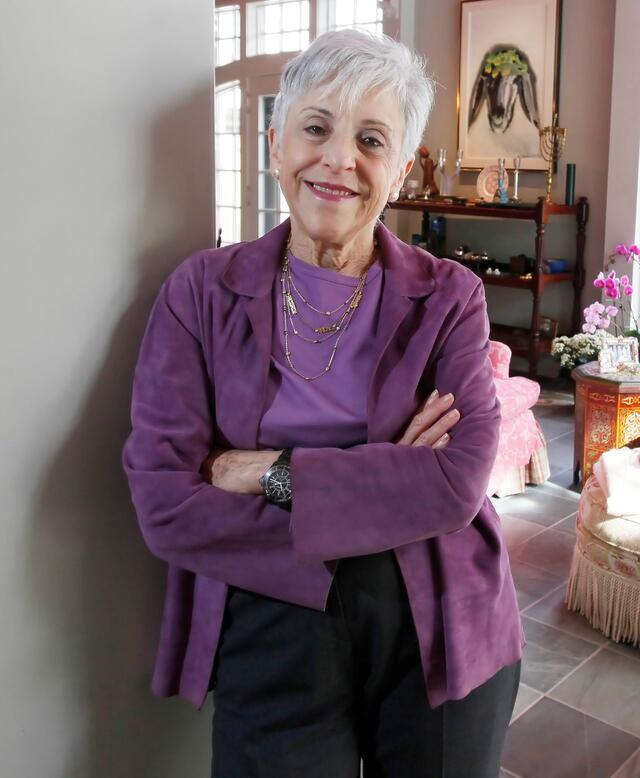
578	709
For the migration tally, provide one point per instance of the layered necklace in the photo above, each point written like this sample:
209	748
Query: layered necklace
334	328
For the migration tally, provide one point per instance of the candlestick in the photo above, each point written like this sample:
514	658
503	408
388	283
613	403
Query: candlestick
552	140
517	161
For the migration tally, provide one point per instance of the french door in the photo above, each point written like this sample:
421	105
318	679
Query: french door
253	41
264	205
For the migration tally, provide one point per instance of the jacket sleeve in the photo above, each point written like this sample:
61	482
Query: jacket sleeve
184	520
378	496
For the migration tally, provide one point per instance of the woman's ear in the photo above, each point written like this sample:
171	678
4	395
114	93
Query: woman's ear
403	174
274	149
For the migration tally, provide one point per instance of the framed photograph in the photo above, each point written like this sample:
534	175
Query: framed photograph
618	354
508	81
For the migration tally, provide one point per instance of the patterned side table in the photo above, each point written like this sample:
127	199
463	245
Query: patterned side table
607	415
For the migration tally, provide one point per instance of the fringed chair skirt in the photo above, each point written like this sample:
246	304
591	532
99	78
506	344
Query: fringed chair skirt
604	582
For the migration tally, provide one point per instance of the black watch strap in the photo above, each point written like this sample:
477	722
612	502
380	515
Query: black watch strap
285	457
276	482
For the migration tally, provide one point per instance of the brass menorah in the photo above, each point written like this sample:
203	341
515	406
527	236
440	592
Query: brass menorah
552	141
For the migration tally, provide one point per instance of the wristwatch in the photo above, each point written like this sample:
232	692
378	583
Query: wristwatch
276	482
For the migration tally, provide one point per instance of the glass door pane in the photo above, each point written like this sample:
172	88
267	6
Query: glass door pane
228	167
267	208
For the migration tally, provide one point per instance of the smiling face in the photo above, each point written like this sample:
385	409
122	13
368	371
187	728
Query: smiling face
337	170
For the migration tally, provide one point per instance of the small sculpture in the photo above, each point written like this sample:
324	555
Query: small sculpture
501	192
429	187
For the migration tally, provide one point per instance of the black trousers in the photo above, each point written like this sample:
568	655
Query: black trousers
301	693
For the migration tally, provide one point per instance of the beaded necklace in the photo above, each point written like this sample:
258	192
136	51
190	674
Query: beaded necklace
336	328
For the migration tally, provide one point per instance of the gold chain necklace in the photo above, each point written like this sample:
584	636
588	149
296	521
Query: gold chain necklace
317	310
293	310
289	310
331	330
355	296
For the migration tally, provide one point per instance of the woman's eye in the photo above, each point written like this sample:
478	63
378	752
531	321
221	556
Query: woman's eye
314	129
372	140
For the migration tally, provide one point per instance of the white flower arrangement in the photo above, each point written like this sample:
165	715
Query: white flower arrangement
575	350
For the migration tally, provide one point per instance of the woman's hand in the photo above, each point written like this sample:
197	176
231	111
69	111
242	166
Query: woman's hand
237	471
431	424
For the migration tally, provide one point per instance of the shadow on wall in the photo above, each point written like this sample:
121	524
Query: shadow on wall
94	582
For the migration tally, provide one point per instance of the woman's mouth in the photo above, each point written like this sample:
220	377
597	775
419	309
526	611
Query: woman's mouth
325	191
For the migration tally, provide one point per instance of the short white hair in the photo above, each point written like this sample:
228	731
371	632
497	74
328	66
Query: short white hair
352	63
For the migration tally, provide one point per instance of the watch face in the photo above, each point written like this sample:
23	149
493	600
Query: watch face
278	487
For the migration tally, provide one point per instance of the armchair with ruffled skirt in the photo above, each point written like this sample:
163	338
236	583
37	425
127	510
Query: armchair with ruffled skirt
522	450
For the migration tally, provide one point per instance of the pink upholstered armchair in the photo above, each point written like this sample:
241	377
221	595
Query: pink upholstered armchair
522	450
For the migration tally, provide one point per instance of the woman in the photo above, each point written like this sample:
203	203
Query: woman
297	460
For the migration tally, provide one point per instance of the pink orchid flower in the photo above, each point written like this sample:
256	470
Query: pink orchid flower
622	250
626	285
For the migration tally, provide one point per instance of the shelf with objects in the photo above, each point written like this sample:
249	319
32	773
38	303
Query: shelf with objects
528	342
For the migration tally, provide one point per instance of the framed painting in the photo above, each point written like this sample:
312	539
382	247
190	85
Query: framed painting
508	81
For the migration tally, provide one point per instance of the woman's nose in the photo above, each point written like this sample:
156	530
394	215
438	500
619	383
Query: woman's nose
339	153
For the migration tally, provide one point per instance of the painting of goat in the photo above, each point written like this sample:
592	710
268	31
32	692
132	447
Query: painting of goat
508	79
504	76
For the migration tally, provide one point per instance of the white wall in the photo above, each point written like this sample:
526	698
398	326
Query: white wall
105	186
623	196
585	98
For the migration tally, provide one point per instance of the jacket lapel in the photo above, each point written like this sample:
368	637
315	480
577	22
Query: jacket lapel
260	313
393	310
250	275
407	283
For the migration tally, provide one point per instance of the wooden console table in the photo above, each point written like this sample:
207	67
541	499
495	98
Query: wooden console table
524	342
607	415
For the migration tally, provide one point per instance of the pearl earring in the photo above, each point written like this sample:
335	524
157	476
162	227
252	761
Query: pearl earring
394	196
276	174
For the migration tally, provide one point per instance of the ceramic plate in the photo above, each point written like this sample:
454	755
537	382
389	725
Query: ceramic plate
487	183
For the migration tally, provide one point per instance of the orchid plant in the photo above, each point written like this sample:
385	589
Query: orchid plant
617	290
598	317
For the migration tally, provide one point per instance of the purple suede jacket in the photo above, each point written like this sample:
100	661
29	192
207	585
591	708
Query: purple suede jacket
200	381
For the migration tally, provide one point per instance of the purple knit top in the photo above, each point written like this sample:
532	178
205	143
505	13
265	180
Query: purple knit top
332	409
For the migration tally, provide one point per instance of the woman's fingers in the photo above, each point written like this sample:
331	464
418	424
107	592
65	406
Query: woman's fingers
442	442
433	396
427	416
436	431
433	407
